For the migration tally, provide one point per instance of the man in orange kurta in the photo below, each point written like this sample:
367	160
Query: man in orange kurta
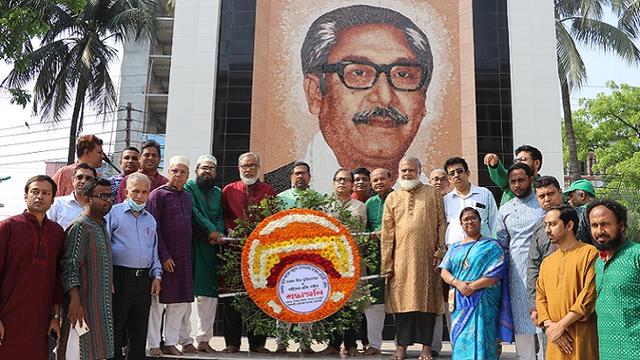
565	291
412	246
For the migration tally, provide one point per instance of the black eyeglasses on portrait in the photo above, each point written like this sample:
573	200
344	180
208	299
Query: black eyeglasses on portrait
362	75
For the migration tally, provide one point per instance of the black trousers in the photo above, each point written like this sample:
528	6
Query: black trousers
232	327
131	303
349	337
414	327
363	332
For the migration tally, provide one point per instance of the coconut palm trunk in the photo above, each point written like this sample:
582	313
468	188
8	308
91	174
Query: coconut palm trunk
575	170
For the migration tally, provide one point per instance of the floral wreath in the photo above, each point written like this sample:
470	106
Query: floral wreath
300	265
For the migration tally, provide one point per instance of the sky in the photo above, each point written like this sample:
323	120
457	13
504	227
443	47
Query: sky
23	149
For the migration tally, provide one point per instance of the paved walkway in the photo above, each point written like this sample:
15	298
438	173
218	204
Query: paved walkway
387	349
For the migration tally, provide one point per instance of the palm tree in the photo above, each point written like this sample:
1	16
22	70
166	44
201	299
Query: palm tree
71	66
580	21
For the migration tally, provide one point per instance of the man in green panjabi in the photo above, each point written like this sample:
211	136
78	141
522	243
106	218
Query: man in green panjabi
300	179
498	173
208	226
381	182
617	281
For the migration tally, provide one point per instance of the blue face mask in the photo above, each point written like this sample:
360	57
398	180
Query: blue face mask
135	207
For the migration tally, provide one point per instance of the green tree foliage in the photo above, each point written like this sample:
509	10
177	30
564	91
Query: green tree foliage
580	22
23	20
609	126
71	65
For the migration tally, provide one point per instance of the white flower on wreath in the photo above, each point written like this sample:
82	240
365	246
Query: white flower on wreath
275	307
337	296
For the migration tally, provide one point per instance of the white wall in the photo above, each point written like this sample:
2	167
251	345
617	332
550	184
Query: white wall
193	79
535	87
133	86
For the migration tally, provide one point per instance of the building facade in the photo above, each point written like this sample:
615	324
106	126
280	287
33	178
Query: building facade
225	77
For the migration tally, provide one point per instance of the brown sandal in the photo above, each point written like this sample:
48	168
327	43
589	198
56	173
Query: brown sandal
230	349
371	351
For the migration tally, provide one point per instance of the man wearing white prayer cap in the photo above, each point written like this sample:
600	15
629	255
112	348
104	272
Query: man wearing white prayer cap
207	227
171	207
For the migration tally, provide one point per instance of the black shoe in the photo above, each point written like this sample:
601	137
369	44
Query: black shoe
435	354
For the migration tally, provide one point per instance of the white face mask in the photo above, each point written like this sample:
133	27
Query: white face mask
135	206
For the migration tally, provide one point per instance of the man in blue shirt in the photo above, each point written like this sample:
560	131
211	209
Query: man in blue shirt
67	208
517	221
136	267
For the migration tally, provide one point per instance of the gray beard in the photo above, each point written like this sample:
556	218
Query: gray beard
408	184
248	181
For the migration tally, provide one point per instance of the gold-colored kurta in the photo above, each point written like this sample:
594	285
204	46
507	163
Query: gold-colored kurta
567	283
412	234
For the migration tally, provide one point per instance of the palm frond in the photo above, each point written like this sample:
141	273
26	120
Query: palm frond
591	9
135	22
601	35
101	91
618	6
570	64
629	19
54	84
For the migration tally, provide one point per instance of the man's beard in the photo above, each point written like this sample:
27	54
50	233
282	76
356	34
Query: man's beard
205	182
408	184
613	244
389	112
248	181
524	195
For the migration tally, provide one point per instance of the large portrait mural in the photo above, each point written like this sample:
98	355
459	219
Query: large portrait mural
355	84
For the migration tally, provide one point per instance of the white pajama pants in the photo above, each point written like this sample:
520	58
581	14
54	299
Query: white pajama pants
73	346
206	307
542	340
526	346
436	344
155	323
177	325
375	323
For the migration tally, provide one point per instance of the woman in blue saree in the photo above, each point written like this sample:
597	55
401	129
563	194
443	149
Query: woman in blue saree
476	267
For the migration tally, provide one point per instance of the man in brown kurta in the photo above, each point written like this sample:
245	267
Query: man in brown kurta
412	246
566	291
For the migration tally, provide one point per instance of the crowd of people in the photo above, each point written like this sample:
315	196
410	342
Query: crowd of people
108	268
